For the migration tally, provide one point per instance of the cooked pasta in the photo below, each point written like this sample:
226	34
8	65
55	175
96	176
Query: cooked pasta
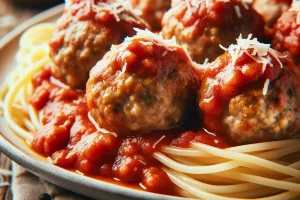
268	171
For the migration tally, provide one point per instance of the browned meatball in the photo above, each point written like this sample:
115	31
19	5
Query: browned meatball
84	33
287	33
251	94
141	85
152	11
254	117
271	10
202	27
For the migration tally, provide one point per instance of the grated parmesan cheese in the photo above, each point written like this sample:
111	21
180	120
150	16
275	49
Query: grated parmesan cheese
237	11
195	3
91	118
114	7
245	5
296	7
142	186
188	6
266	86
260	54
146	43
124	67
165	53
143	163
158	141
207	3
154	38
206	61
79	172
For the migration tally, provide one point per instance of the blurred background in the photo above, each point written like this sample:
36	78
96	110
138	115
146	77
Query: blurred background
14	12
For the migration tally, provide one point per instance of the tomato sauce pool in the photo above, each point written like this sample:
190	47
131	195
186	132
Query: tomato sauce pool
69	137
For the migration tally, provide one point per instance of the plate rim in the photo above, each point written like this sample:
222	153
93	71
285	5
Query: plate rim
38	167
61	174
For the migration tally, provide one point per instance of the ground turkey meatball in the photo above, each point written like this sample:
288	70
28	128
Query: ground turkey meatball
201	26
271	10
141	85
84	33
287	33
250	101
152	11
273	116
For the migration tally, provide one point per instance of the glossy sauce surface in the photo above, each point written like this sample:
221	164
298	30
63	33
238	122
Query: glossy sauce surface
72	141
223	80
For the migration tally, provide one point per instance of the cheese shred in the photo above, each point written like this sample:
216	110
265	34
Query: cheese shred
259	52
266	87
154	38
296	7
114	7
195	3
238	11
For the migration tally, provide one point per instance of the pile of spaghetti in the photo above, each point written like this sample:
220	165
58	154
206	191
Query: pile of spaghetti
141	130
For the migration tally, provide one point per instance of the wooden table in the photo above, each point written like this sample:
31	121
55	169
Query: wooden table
5	192
11	16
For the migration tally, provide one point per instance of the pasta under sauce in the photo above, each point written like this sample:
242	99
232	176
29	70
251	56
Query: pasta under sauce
72	141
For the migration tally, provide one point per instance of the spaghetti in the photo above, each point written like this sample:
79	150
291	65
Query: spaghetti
269	170
17	88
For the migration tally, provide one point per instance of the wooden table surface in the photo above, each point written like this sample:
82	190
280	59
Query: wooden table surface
11	15
5	192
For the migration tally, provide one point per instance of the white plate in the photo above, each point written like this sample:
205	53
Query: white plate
15	147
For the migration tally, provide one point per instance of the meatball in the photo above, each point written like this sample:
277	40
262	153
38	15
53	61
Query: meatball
202	27
287	34
251	94
141	85
271	10
273	116
84	33
152	11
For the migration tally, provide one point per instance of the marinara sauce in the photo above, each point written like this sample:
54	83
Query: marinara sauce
69	137
224	80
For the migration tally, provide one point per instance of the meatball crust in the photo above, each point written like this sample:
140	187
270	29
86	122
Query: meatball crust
202	28
140	86
82	36
287	35
254	117
152	11
271	10
249	102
